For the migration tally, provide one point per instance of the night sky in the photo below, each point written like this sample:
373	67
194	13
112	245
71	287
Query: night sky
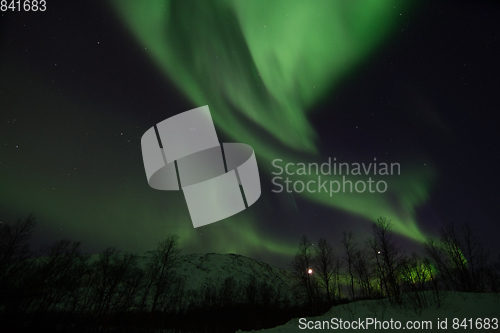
299	81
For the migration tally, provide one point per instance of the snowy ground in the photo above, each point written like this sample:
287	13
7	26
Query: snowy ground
480	311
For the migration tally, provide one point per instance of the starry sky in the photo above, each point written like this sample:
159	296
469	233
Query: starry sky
414	83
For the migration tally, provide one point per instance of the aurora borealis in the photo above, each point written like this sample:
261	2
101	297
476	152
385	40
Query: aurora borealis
267	73
298	81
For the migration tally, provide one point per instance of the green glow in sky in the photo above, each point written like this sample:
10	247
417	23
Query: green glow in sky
262	65
101	197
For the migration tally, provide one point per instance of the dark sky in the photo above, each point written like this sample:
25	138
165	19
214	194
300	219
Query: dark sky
80	83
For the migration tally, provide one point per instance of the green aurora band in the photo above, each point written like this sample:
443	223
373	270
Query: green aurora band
261	65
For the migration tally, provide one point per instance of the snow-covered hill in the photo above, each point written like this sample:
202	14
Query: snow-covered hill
199	270
202	269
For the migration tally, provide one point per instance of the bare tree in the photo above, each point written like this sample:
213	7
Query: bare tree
14	252
389	257
415	273
350	248
363	273
477	257
109	282
457	262
160	272
57	276
325	267
302	265
493	277
461	258
14	245
378	266
434	250
338	285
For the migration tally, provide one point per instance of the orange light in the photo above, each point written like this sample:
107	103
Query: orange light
310	271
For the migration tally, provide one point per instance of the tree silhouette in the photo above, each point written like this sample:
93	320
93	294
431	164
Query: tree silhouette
388	257
325	267
160	273
302	263
350	248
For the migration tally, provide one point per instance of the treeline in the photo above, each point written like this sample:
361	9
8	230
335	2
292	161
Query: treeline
60	289
379	268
